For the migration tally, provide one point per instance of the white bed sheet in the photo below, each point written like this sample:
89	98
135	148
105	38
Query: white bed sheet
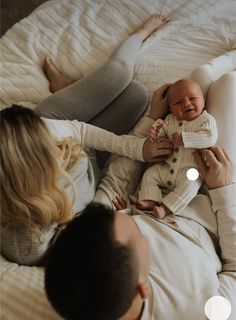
79	36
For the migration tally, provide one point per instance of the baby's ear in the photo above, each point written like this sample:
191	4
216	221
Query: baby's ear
143	290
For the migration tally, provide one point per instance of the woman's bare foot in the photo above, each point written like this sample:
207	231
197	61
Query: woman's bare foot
152	24
56	79
161	211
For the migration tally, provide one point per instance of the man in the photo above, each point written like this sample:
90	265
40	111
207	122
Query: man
109	265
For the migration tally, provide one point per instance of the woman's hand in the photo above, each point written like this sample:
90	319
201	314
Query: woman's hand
157	151
177	139
215	166
159	104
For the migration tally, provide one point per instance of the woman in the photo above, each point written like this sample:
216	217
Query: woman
46	174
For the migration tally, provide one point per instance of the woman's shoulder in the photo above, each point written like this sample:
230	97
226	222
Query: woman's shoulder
61	128
26	247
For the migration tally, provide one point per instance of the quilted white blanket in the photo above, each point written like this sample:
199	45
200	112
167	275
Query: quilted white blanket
79	35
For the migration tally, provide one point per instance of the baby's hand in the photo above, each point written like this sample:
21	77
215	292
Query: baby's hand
120	203
177	139
153	132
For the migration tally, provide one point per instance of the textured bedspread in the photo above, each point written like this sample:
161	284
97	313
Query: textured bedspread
79	35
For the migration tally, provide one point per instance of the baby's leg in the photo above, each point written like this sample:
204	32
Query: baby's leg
148	205
150	189
183	193
161	211
150	195
121	179
206	74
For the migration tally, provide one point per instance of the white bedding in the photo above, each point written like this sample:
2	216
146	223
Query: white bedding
79	36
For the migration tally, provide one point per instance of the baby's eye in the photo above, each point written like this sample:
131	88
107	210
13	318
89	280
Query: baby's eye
193	98
177	102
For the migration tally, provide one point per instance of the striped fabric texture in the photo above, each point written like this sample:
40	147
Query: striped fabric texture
79	36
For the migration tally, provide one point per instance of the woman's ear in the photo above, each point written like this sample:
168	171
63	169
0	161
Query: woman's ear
143	290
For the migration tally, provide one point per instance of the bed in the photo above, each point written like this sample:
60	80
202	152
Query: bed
79	36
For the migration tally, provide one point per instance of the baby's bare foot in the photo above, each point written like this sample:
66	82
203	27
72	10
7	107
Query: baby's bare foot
152	24
159	212
145	204
56	79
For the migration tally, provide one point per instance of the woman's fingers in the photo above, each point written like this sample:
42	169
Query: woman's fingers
164	152
214	166
153	149
165	144
160	158
163	90
226	155
205	159
209	157
220	154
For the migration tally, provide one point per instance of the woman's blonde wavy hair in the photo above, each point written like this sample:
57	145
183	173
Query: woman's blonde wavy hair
31	194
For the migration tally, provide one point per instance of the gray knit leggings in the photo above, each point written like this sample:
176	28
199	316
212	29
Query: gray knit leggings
107	98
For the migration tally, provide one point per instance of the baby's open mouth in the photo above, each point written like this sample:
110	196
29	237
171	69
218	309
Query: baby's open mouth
189	110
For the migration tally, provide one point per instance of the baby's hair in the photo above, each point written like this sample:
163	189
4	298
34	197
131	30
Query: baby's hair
179	83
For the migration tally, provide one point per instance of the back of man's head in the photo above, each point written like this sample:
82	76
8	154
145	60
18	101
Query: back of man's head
89	275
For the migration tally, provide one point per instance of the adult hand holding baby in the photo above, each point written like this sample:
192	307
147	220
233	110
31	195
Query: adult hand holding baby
177	139
157	151
159	104
215	166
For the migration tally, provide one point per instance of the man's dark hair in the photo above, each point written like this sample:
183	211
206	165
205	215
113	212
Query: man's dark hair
89	275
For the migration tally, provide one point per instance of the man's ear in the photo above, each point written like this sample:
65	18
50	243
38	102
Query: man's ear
143	290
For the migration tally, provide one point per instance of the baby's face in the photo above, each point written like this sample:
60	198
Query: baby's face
186	100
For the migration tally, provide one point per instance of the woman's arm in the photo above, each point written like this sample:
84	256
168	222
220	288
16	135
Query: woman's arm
93	137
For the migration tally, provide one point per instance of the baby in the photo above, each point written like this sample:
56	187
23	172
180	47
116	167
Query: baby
189	127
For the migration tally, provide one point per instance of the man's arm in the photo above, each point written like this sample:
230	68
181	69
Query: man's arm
217	174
